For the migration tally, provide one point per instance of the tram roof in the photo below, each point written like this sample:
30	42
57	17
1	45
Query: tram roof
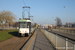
24	21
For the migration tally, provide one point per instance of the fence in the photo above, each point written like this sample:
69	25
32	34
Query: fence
60	43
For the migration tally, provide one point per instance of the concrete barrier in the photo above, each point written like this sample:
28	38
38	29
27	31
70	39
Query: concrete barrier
60	43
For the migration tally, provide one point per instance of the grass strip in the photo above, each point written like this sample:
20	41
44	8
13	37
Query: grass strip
6	34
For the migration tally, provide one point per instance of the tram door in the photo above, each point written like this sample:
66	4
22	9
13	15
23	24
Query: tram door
29	26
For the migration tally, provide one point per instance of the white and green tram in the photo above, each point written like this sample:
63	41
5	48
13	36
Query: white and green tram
24	27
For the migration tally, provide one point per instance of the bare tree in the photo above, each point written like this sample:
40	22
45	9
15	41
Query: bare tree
58	22
7	16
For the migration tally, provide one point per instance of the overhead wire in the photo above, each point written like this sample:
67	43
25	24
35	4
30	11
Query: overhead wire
24	3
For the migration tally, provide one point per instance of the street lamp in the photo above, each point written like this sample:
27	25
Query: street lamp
54	19
68	15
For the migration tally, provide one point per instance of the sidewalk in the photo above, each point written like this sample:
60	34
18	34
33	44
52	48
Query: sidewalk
39	42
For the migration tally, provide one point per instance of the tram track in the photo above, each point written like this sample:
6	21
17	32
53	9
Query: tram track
13	44
16	44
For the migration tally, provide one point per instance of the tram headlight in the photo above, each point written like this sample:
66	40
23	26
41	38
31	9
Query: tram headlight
25	31
20	31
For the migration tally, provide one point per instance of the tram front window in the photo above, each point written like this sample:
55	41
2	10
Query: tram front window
23	25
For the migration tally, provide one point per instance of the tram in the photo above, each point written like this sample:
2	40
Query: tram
24	27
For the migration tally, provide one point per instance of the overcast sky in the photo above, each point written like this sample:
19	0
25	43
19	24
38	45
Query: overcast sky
44	11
